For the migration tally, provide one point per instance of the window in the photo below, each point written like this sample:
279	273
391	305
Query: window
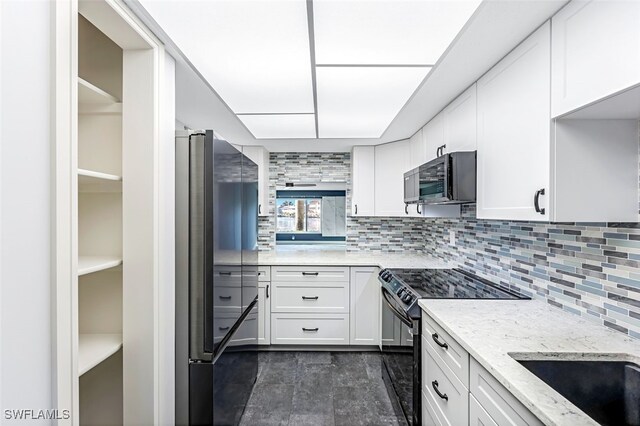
299	215
310	215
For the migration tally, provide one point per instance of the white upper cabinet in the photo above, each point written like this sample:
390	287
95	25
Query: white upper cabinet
392	160
260	156
460	120
433	134
362	181
418	150
596	52
514	132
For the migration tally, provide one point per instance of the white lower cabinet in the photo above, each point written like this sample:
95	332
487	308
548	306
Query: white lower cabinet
477	415
264	313
499	403
447	394
329	297
310	329
364	302
457	390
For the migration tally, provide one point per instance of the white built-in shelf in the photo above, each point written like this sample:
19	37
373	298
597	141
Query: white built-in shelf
90	264
92	181
90	94
95	348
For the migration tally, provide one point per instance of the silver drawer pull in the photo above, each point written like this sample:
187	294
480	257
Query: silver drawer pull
313	274
225	297
309	298
310	329
223	328
225	273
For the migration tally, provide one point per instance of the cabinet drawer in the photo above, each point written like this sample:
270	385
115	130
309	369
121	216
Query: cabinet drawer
264	273
310	273
477	415
310	329
227	276
429	417
319	297
227	299
450	351
498	402
452	406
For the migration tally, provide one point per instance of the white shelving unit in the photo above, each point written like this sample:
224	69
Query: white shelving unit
100	230
95	348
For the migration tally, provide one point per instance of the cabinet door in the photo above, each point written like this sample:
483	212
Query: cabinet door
364	318
460	122
264	313
596	52
362	178
514	132
260	156
392	161
418	154
433	134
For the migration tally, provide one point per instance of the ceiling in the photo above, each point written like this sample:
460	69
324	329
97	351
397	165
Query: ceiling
325	75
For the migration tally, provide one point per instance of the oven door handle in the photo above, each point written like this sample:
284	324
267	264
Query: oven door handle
401	316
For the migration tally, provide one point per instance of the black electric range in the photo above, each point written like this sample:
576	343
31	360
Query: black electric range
401	326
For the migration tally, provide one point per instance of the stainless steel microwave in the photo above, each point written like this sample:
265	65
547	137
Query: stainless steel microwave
448	179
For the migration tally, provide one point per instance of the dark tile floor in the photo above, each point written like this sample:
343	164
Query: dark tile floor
319	388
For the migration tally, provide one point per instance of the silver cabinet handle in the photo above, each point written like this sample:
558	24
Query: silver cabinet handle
313	274
309	298
310	329
225	297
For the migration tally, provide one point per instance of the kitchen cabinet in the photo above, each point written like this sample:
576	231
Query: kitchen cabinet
418	148
596	52
460	122
260	156
514	129
264	305
433	135
362	181
473	396
392	160
364	314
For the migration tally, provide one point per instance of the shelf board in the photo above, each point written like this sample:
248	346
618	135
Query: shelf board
90	264
92	181
95	348
88	94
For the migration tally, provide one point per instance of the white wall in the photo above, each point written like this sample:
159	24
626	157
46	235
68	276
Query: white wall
167	244
25	144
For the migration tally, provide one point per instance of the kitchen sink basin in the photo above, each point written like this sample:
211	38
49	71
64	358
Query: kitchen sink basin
607	391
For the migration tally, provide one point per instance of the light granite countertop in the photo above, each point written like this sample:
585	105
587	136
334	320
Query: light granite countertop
497	332
301	256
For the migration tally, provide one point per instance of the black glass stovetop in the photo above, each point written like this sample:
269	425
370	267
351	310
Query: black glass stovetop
451	284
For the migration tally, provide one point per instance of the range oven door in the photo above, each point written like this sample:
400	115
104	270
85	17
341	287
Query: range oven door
401	365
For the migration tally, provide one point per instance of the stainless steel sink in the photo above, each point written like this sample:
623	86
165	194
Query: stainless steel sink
607	391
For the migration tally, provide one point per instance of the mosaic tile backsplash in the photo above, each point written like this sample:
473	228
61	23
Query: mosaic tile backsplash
589	269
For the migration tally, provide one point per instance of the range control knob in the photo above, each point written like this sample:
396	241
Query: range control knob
400	291
407	298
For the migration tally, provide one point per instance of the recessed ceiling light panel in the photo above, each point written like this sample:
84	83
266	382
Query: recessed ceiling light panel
280	126
255	54
387	31
361	102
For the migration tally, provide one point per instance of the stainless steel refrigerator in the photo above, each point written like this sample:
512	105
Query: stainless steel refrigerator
216	280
